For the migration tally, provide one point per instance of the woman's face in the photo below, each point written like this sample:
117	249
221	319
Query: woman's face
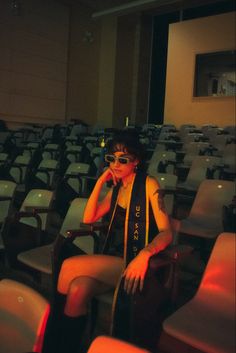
123	170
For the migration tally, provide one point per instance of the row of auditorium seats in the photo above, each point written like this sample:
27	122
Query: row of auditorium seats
203	324
32	214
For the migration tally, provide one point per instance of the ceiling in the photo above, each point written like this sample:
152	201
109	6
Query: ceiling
103	7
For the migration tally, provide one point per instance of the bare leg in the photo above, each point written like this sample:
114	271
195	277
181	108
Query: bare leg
104	268
83	277
82	290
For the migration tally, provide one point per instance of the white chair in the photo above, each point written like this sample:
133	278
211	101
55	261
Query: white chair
167	158
198	171
23	317
7	192
205	219
168	182
46	173
37	199
40	258
206	323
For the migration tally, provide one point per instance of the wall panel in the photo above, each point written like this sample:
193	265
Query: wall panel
33	62
186	39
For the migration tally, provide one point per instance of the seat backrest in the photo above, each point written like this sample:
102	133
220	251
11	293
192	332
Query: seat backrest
105	344
23	318
198	170
76	169
19	174
50	151
3	157
217	287
167	180
209	201
229	157
37	198
51	165
72	221
195	147
7	190
160	156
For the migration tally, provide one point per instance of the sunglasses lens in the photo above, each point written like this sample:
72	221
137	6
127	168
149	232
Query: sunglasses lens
123	160
109	158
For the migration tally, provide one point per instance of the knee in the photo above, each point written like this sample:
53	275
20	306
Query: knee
81	287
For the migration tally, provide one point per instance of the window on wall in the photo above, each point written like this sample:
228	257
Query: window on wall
215	74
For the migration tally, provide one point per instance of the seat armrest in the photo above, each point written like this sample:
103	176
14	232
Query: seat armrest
94	226
36	210
46	169
22	214
5	198
163	192
71	234
172	254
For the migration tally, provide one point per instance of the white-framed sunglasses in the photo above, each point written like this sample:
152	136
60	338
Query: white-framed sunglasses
110	158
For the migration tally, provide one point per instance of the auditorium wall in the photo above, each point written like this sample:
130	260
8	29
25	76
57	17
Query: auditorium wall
186	39
33	62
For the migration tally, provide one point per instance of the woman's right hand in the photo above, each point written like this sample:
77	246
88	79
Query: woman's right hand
107	175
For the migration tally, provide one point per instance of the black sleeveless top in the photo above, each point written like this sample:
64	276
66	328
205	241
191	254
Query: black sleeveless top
116	244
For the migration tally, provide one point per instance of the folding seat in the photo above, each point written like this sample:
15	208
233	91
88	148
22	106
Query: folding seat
219	143
199	170
46	134
196	147
72	185
73	153
4	136
185	128
231	130
77	130
19	171
162	162
186	156
38	201
206	127
206	323
227	165
46	174
40	257
30	148
96	151
18	137
27	228
168	184
4	160
23	317
210	131
205	220
192	137
7	192
51	151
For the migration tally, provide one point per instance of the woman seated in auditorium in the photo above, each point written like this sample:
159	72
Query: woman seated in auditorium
138	228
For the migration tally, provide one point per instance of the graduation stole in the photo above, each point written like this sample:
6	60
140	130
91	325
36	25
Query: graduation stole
136	230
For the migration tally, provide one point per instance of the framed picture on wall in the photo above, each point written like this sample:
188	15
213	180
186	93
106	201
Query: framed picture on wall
215	74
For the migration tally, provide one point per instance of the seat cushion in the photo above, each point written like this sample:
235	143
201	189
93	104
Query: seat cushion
38	258
202	328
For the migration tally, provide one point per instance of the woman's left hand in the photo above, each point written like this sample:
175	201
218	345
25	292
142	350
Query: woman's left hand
134	273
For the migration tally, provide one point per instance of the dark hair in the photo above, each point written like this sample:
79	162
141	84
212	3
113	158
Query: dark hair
128	141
